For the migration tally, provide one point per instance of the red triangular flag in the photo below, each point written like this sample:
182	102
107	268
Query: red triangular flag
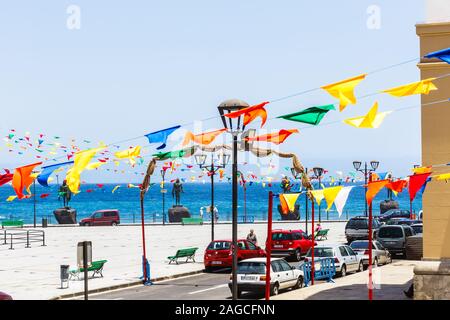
416	182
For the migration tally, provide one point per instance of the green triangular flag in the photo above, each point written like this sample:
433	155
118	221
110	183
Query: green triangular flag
311	115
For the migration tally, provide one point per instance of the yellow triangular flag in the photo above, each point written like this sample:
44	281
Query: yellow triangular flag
330	194
344	90
11	198
372	119
129	153
82	159
420	87
94	165
318	195
290	199
444	176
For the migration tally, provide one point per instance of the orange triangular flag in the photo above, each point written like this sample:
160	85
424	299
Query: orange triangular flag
373	188
203	138
22	179
397	186
251	113
276	138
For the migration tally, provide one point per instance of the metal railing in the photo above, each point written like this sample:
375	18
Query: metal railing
15	237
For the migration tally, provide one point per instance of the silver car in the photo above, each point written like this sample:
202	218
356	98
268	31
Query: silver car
380	255
345	259
393	237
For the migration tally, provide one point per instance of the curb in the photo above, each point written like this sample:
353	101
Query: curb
125	285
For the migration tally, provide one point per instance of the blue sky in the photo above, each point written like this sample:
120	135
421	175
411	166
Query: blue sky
140	66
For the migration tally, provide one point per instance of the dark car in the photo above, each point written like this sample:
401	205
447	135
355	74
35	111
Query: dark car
399	221
357	228
393	237
4	296
394	213
102	218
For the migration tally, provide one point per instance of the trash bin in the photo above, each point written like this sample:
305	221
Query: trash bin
44	222
64	275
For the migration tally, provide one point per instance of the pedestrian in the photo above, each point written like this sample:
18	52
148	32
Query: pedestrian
319	227
252	237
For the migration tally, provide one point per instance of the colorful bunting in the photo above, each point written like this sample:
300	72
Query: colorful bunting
95	165
371	120
311	115
373	188
287	201
129	154
115	188
161	136
44	195
420	170
48	170
11	198
202	138
444	176
82	159
341	199
330	195
22	179
344	90
276	138
443	55
397	186
251	113
416	182
318	195
420	87
187	152
5	178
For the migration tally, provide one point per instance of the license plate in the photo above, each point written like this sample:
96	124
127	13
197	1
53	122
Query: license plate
249	278
216	262
278	246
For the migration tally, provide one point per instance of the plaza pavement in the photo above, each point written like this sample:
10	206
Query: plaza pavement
33	273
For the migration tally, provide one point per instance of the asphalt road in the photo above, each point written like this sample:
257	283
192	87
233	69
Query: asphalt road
204	286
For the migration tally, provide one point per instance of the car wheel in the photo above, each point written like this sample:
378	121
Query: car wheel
87	224
208	269
298	255
343	272
360	267
275	289
375	262
114	223
299	283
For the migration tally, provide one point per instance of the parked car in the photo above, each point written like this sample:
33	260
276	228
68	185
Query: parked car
290	243
345	259
357	228
394	213
251	276
219	253
5	296
393	237
102	218
417	227
380	255
406	221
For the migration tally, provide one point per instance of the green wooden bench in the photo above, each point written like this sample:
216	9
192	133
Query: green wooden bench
12	223
188	253
197	221
96	267
321	234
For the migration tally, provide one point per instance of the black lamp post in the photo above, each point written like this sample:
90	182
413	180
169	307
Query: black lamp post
299	176
318	172
163	191
366	171
235	126
200	159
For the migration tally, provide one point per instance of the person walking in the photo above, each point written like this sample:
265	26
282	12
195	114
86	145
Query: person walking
252	237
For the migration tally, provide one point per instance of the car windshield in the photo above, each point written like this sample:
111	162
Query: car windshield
357	224
392	232
251	268
219	245
360	245
321	252
418	229
281	236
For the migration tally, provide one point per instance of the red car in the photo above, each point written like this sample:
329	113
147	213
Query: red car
102	218
4	296
291	243
219	254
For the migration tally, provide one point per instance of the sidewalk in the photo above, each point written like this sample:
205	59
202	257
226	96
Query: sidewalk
390	281
33	273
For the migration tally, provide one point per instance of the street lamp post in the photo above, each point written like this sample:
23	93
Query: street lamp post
235	126
163	173
318	172
357	165
298	176
200	159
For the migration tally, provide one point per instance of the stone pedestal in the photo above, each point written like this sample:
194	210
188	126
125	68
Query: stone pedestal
176	213
432	280
291	216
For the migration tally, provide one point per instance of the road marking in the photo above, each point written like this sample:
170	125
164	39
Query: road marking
212	288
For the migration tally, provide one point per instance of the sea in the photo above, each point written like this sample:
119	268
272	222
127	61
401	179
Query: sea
252	204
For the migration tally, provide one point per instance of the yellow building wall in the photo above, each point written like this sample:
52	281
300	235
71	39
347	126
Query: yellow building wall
436	141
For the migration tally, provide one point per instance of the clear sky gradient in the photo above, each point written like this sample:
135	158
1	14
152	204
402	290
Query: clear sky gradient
140	66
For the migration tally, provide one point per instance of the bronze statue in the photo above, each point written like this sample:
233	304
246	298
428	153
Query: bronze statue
177	189
65	193
286	185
